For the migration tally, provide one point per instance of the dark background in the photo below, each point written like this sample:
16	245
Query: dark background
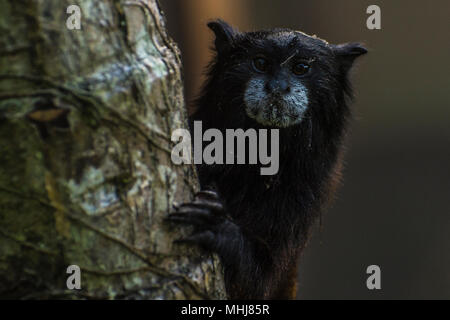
393	209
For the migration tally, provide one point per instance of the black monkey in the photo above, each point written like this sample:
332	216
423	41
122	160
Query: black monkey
259	224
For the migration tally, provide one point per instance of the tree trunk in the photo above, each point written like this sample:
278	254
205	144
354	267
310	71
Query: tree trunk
86	176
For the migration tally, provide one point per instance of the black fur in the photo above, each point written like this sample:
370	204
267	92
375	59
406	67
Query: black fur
264	221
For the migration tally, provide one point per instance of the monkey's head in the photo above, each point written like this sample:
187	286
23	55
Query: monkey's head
281	76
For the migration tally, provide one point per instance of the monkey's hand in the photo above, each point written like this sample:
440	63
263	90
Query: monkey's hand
246	259
213	229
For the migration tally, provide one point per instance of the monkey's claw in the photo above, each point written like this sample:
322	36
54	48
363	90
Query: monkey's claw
208	217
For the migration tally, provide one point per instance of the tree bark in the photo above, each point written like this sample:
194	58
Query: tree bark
86	176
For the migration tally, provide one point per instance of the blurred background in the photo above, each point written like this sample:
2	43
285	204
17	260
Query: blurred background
393	209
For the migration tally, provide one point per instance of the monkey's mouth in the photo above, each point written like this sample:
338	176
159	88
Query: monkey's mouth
275	110
283	112
278	109
275	113
278	106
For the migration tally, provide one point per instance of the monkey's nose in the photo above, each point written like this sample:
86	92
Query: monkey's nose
278	86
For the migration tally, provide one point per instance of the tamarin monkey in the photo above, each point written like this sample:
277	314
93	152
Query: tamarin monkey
259	224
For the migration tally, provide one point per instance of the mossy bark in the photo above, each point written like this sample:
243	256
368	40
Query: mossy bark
86	176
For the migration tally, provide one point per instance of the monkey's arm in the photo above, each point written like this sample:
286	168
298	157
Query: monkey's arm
246	259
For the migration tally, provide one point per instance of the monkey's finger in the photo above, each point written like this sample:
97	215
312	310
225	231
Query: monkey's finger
205	239
189	207
183	220
205	204
193	217
207	194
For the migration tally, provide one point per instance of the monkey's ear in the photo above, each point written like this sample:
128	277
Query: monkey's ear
225	34
347	53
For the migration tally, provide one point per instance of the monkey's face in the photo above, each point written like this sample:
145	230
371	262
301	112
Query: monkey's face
287	71
277	94
281	77
278	71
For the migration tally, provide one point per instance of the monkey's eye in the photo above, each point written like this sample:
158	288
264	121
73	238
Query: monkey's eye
261	64
300	68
